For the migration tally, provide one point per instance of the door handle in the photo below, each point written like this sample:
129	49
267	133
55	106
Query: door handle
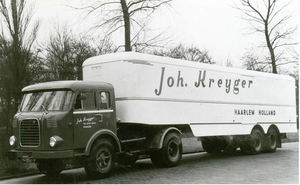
100	119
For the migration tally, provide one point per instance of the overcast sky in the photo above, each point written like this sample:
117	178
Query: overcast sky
207	24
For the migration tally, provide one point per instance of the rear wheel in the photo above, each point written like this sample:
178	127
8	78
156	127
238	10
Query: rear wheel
102	159
171	152
272	140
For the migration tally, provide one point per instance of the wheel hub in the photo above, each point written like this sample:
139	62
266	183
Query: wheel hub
173	150
103	160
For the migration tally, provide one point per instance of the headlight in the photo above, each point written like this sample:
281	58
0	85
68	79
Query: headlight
12	140
52	141
55	141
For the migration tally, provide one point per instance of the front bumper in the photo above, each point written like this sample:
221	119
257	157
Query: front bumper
13	154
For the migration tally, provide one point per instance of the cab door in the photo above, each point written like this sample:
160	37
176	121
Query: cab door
93	111
85	117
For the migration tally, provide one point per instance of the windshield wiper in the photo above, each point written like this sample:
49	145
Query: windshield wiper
45	109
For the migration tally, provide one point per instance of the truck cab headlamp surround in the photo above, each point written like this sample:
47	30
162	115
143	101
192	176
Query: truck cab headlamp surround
55	141
12	140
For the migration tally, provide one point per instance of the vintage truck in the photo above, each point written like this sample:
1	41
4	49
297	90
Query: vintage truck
130	104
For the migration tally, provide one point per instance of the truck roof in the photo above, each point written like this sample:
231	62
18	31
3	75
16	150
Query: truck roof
148	59
72	85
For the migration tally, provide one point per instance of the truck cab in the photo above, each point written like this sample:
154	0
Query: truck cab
61	120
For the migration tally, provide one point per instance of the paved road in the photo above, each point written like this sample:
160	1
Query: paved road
281	167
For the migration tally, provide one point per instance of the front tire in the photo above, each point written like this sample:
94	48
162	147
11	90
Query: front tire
101	161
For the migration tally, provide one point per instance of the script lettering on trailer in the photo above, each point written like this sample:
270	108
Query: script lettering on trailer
202	81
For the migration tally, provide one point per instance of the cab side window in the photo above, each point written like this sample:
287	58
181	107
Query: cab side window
85	101
104	100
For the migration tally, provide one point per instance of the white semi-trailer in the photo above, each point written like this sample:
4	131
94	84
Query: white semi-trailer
131	103
210	100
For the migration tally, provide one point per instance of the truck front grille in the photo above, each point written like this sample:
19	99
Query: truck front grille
30	133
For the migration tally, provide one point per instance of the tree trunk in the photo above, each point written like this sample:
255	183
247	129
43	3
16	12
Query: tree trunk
126	25
16	60
271	50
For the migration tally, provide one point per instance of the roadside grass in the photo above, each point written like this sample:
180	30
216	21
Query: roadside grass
14	167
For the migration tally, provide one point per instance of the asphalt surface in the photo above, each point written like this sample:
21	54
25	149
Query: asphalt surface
281	167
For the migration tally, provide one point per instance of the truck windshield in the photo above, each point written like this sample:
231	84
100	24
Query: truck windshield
46	101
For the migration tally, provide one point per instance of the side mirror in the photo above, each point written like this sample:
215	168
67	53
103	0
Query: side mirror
19	104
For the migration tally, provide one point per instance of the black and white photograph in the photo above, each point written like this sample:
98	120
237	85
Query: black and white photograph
149	92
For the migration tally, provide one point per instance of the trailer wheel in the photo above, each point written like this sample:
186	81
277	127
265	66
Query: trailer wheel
272	138
50	167
256	141
101	161
171	151
254	144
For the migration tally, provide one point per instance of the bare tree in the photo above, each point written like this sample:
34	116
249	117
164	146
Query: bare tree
16	41
267	17
190	53
254	62
65	53
130	15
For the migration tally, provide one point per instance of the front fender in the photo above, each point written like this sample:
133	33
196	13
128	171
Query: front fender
102	133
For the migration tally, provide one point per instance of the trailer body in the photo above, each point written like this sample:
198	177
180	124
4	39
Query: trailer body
212	100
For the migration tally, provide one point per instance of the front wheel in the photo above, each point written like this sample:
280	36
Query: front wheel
101	161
